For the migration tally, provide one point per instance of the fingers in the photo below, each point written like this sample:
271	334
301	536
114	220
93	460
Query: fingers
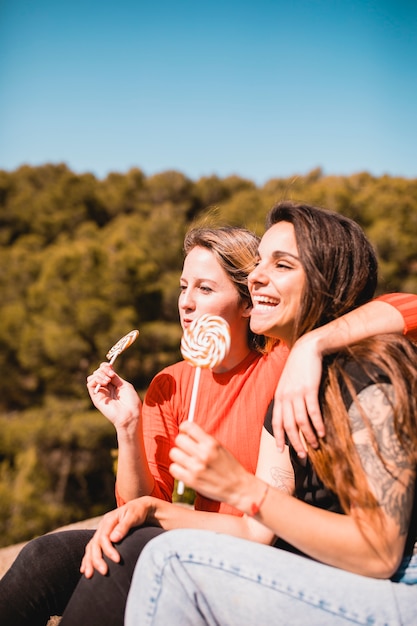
93	557
121	529
192	454
193	441
100	378
294	419
314	413
100	544
300	418
286	422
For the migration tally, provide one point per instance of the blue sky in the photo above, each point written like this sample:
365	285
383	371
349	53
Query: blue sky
261	89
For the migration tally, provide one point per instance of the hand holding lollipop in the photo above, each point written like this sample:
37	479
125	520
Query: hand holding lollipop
205	343
120	347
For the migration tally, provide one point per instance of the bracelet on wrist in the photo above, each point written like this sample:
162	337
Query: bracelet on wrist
256	507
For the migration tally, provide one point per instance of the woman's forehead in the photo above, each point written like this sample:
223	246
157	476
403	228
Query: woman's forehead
279	238
201	262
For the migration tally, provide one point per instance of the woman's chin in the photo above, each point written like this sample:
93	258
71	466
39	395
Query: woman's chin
260	327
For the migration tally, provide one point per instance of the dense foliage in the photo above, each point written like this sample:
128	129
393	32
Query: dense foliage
84	261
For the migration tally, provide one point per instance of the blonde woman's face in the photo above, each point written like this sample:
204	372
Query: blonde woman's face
276	284
206	288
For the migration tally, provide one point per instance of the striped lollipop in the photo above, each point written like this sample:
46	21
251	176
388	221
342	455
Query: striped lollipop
118	348
204	344
122	345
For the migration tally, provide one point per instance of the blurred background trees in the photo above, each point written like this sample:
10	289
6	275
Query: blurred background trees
84	261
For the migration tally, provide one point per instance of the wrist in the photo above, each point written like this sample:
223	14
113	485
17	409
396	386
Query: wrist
127	431
255	507
316	341
252	498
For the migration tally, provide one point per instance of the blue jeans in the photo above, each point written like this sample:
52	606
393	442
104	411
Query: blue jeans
194	577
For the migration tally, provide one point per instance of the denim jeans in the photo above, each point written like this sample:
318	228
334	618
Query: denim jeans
192	577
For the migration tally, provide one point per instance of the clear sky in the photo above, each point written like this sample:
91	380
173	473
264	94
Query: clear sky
261	88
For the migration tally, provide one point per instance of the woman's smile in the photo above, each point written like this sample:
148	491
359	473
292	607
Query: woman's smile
276	284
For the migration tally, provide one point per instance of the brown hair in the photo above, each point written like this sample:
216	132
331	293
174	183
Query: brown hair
337	462
339	262
341	274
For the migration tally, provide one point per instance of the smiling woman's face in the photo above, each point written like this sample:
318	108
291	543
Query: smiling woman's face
276	284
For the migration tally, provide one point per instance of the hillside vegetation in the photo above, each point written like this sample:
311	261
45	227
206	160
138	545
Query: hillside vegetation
84	261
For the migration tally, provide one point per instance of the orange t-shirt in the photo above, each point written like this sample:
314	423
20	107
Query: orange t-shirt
230	406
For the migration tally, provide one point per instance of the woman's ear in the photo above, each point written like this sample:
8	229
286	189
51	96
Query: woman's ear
246	308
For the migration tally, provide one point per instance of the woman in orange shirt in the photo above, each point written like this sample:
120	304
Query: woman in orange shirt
214	280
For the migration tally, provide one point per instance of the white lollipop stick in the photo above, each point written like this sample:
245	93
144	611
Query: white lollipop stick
191	411
204	344
118	348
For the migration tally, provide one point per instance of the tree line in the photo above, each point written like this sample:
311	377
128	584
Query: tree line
83	262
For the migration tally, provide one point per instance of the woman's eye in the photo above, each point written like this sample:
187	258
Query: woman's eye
283	266
205	289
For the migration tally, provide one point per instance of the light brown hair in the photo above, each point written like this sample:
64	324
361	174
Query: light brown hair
235	249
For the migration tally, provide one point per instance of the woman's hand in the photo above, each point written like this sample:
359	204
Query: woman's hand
116	398
203	464
113	528
296	403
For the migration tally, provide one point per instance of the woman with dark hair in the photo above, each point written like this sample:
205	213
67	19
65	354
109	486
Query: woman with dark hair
344	535
45	579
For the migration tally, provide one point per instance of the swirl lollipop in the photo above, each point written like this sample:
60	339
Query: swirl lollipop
120	347
205	343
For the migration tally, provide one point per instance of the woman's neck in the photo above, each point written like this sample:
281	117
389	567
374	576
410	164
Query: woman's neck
237	353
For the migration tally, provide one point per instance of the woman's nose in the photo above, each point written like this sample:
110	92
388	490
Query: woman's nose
256	276
186	300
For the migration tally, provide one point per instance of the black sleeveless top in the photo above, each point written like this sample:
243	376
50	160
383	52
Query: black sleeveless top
308	486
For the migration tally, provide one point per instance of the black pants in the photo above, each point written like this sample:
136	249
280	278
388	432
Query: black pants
45	580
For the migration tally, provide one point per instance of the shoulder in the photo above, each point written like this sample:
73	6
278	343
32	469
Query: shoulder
165	384
273	361
354	376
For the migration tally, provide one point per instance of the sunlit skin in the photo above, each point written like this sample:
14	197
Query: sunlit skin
276	284
206	288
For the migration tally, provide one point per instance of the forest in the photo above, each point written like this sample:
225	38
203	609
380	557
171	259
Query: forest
83	262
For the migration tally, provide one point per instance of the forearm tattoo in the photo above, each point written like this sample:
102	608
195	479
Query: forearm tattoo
390	473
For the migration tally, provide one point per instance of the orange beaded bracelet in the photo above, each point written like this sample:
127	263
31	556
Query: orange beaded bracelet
255	508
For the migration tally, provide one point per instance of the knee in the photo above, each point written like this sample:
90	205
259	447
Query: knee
34	554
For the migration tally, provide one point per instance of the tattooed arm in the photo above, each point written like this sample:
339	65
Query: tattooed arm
390	473
360	542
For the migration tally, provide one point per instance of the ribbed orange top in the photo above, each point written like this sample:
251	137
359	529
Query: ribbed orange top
406	304
230	406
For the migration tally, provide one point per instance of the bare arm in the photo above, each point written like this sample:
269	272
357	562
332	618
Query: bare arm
207	460
375	546
296	405
120	404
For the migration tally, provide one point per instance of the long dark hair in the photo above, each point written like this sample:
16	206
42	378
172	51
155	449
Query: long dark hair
341	274
340	263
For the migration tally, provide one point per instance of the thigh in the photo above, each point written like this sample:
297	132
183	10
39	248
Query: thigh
42	578
197	577
102	599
